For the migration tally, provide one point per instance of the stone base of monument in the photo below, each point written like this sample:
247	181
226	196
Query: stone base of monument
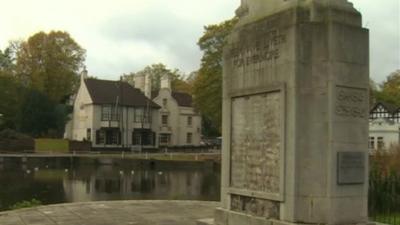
225	217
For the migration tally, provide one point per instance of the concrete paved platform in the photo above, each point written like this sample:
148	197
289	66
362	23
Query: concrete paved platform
113	213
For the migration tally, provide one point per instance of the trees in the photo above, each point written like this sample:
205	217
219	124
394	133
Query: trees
207	86
50	63
38	116
156	71
390	89
10	99
35	75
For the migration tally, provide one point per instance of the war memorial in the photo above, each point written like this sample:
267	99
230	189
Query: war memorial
295	115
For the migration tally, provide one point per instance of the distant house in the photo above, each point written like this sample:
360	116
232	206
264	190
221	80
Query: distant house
179	122
384	126
113	114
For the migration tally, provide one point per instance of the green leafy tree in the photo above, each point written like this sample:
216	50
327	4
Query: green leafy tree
11	94
207	86
6	61
390	89
50	63
39	116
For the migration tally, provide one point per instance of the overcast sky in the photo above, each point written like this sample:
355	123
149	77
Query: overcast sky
123	36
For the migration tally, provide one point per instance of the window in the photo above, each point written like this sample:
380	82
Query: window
164	102
100	137
380	143
109	112
164	119
136	138
142	137
142	115
108	137
138	115
164	139
189	121
88	134
371	143
189	137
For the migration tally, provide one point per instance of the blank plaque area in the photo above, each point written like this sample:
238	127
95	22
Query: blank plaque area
256	142
351	168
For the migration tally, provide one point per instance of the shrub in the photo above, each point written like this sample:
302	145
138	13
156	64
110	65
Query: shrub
26	204
11	140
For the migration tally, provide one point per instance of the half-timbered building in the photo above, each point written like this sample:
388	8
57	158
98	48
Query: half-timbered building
384	126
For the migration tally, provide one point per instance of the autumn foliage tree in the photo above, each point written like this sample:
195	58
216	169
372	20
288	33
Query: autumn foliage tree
389	91
207	87
36	75
50	63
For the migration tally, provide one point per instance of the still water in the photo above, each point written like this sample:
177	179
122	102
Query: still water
59	181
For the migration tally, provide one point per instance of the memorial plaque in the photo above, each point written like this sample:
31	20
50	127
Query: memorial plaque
256	142
351	168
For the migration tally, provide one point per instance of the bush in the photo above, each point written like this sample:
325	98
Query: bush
26	204
384	185
11	140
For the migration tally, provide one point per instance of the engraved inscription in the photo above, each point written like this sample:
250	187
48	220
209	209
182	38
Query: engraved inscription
351	102
265	48
351	167
256	142
255	206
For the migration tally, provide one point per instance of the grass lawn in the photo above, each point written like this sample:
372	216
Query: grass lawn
51	145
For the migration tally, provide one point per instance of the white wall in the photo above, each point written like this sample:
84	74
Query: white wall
177	120
88	116
388	130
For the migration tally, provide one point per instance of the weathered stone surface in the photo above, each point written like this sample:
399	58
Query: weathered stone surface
112	213
256	142
295	95
255	206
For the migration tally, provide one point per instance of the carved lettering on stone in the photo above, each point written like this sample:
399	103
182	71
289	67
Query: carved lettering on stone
265	48
256	142
351	102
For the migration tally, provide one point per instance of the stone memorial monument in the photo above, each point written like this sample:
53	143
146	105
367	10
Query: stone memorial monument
295	115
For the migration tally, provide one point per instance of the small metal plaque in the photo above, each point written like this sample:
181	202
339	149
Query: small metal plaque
351	168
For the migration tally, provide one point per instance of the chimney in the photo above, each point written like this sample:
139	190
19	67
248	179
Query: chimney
165	82
147	86
143	82
84	75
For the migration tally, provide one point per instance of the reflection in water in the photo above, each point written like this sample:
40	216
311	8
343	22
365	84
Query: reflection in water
57	184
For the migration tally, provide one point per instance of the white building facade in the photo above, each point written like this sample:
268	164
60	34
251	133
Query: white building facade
179	122
113	114
384	127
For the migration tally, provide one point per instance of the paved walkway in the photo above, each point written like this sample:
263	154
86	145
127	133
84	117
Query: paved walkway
112	213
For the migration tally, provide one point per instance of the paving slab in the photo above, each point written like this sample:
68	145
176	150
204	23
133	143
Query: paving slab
113	212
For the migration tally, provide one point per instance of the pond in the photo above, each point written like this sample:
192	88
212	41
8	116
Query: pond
60	180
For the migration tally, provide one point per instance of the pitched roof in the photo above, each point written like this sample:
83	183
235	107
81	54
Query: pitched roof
109	92
389	107
183	99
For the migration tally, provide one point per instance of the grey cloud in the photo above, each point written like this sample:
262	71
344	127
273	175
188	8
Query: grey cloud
161	30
